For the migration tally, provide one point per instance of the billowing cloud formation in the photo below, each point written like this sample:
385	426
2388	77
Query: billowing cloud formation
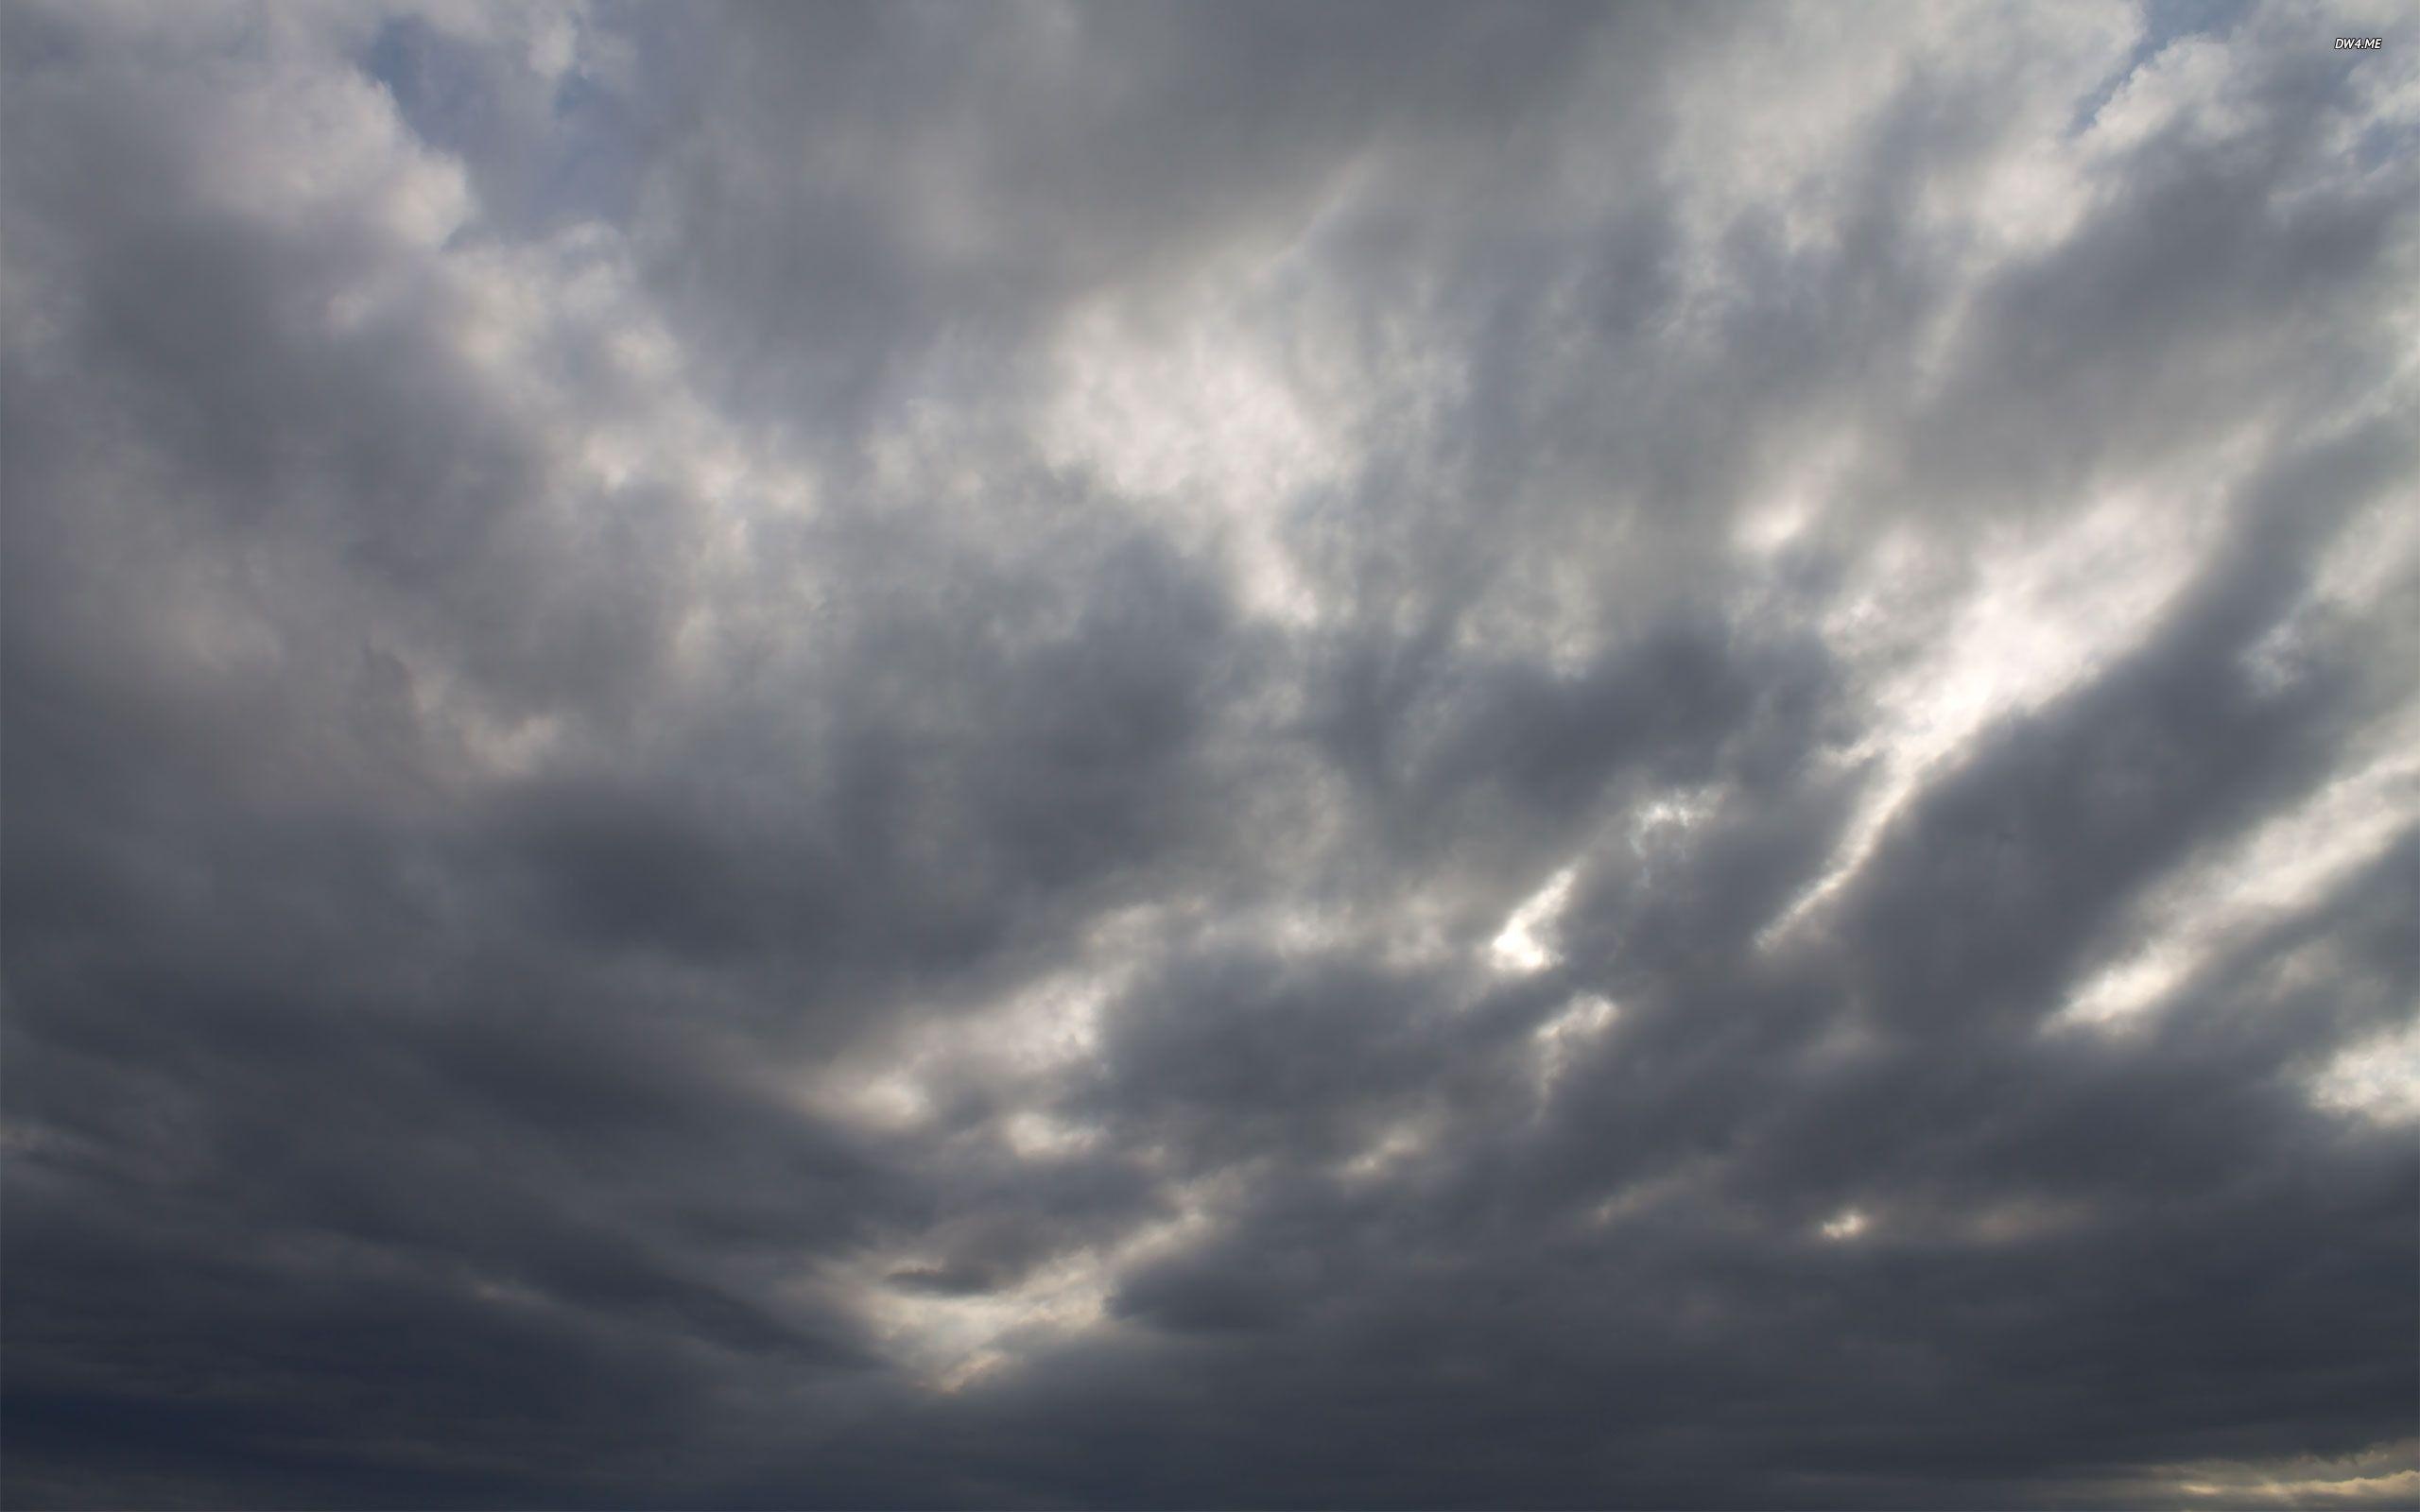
1210	755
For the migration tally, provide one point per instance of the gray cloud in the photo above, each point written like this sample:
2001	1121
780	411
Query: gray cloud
1531	755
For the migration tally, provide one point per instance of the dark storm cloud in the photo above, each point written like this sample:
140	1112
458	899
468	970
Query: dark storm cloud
1181	755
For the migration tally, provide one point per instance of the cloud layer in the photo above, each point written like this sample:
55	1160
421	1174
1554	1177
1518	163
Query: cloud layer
1198	755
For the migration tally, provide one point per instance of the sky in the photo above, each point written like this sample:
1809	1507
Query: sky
1149	755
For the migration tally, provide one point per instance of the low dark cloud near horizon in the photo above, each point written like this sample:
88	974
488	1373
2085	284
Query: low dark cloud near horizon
1209	755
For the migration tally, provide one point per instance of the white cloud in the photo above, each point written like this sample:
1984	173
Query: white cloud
1526	944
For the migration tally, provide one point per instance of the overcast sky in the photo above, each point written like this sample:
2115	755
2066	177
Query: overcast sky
1210	755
